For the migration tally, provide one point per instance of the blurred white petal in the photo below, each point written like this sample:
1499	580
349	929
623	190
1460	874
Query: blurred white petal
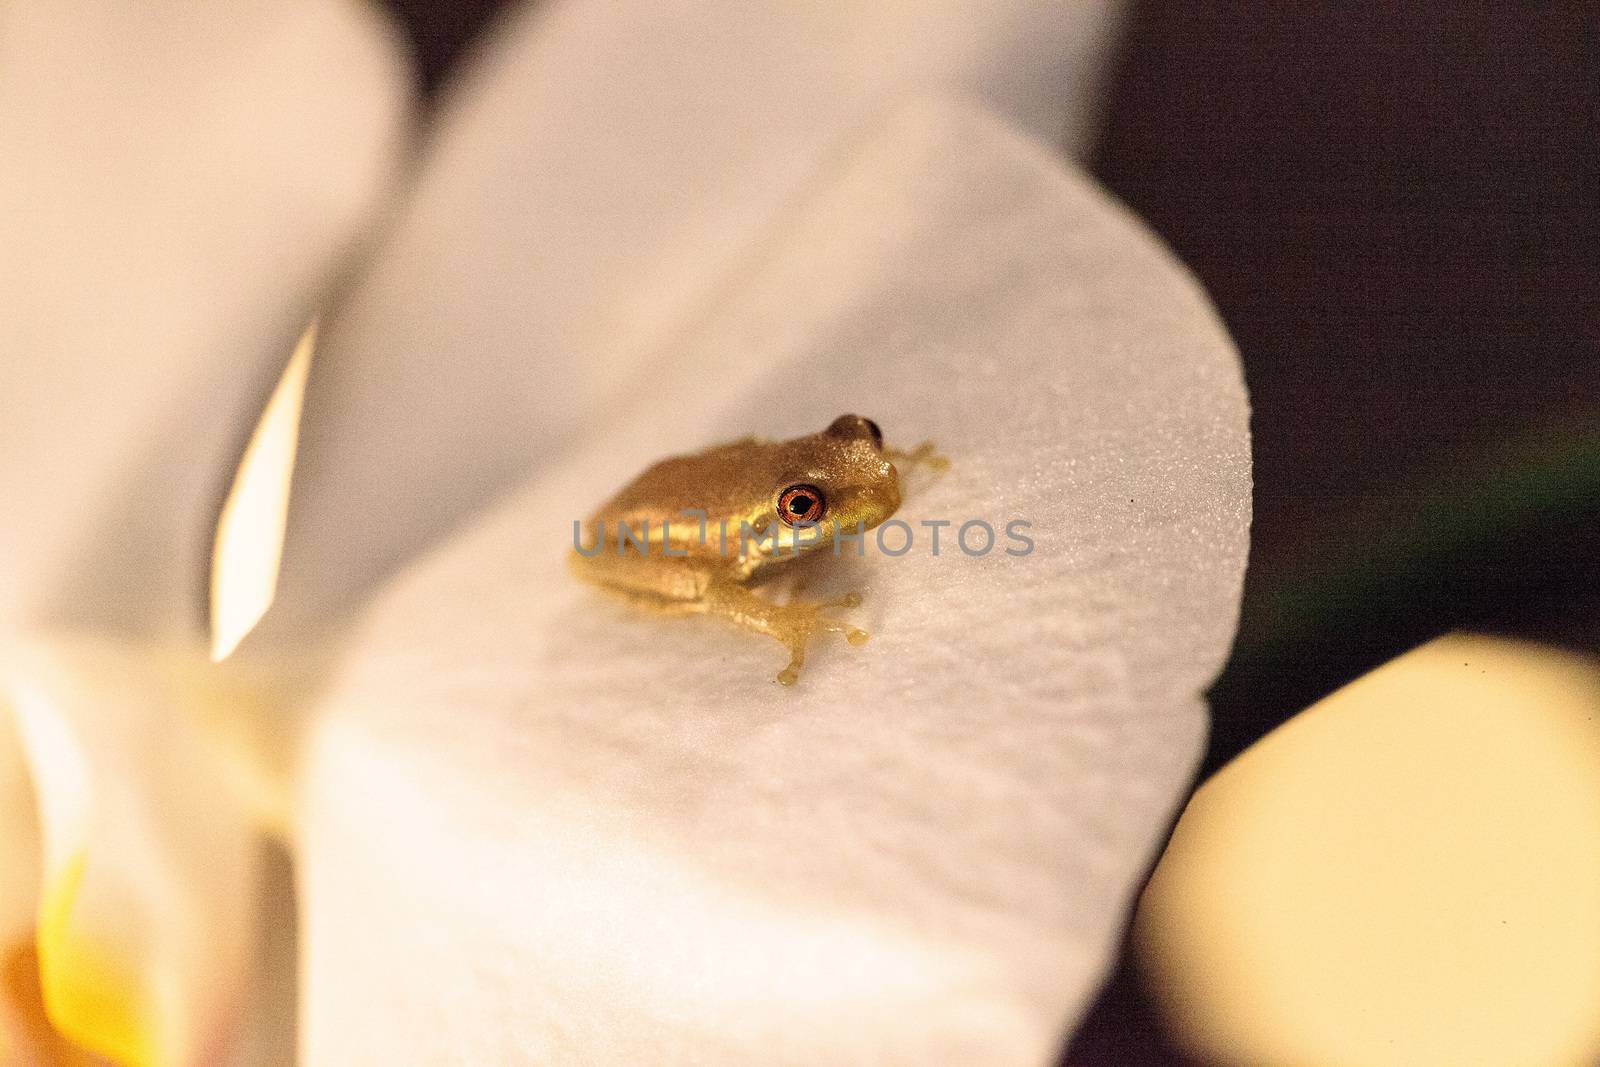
180	181
147	861
600	174
536	827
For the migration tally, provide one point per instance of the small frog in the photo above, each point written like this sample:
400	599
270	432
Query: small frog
693	534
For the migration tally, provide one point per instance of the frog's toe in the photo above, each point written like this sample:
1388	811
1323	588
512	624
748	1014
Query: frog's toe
805	621
852	634
797	658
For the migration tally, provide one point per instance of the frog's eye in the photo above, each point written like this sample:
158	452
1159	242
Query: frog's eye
854	426
800	503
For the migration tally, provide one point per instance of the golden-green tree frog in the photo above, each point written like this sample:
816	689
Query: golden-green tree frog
693	534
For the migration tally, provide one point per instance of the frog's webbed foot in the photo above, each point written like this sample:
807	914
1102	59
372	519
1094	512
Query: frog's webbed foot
793	623
923	455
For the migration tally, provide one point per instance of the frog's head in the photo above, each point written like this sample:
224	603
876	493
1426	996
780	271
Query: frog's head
841	482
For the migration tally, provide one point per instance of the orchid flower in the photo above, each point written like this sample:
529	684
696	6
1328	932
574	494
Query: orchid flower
528	825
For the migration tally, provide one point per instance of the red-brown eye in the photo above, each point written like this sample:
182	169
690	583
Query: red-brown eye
800	503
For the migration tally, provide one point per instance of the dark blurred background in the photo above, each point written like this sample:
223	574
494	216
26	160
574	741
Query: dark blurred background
1397	211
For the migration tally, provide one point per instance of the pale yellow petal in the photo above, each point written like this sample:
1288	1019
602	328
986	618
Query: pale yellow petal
1405	875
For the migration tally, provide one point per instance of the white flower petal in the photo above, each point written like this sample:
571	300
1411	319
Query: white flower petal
538	827
147	859
600	174
179	182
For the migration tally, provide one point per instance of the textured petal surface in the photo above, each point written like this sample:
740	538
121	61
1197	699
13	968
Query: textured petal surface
595	179
179	182
537	827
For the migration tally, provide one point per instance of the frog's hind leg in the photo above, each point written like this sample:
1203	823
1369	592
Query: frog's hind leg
793	623
663	584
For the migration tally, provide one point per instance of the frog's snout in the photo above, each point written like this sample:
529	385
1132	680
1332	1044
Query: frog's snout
889	494
872	503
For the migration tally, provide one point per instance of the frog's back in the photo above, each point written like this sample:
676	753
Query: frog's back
631	530
645	573
720	481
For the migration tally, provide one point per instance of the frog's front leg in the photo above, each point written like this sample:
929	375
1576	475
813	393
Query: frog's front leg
792	623
924	455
